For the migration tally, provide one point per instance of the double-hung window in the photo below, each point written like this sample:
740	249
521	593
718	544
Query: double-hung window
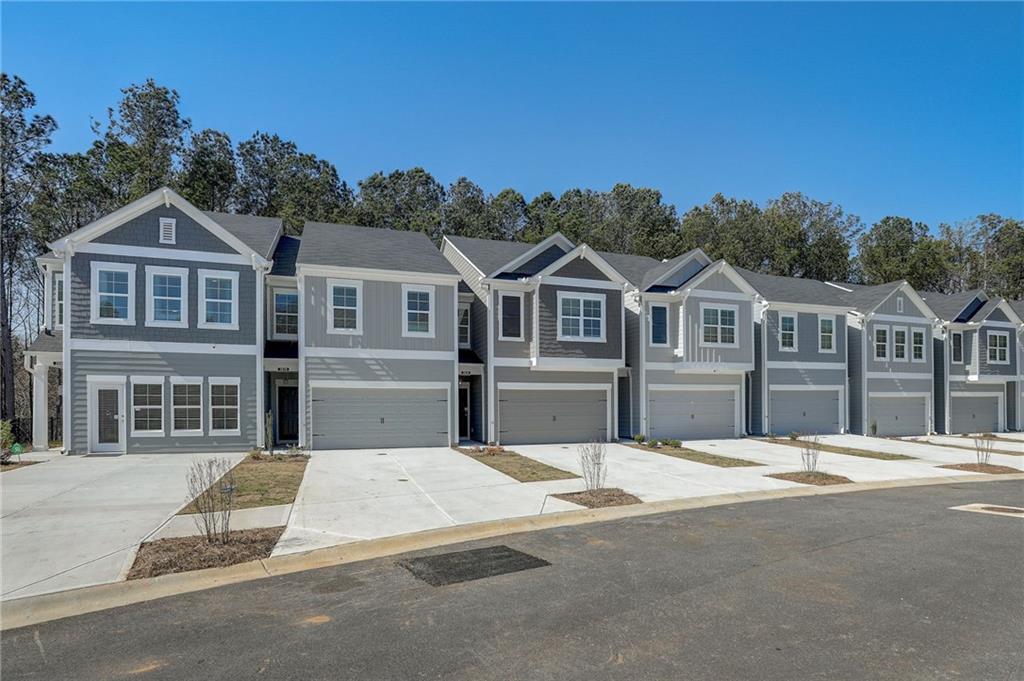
218	299
917	345
147	406
186	405
510	316
998	347
113	293
224	406
58	300
787	332
418	305
167	296
882	343
826	334
464	325
659	325
581	316
345	306
718	325
286	313
957	341
899	344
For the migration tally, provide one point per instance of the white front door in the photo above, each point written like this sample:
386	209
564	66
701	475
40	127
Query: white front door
106	417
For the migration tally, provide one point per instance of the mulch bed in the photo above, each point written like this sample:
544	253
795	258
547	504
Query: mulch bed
849	451
816	478
697	456
182	554
600	498
981	468
515	465
14	465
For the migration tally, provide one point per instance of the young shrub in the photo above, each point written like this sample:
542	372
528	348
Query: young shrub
639	438
810	450
794	436
594	465
874	428
673	443
211	487
983	450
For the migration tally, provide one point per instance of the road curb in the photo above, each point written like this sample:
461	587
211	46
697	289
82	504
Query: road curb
31	610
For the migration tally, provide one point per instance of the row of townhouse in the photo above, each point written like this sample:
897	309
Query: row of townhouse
178	329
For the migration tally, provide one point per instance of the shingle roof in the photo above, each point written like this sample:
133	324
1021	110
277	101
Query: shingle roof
1017	306
633	267
370	247
776	289
489	254
950	307
258	233
866	298
985	310
284	256
47	341
652	275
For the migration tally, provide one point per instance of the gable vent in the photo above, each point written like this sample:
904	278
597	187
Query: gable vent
168	227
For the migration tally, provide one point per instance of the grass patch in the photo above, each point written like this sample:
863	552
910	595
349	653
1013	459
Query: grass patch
265	480
182	554
982	468
698	457
600	498
515	465
815	478
14	465
968	448
849	451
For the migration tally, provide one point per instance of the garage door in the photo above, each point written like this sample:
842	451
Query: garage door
974	414
804	411
346	418
541	416
898	415
692	414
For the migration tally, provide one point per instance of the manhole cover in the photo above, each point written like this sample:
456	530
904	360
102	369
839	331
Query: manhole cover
465	566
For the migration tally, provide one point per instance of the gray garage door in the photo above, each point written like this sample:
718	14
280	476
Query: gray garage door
345	418
692	414
804	411
898	415
974	414
541	416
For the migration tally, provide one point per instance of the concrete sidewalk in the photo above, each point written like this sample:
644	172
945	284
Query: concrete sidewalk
933	454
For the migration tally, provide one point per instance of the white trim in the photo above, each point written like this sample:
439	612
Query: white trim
261	339
446	240
468	308
65	388
147	380
898	319
574	364
735	327
807	307
61	292
523	362
164	254
225	380
182	274
583	252
346	283
300	283
582	283
899	305
1000	405
900	376
168	231
841	389
93	384
555	239
161	347
96	267
370	274
952	356
522	315
431	311
796	331
281	364
560	296
606	388
490	432
1001	325
274	293
924	345
696	253
650	325
835	333
201	322
795	364
692	387
875	328
988	347
368	353
906	344
720	295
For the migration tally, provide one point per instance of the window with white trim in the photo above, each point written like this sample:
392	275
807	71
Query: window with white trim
58	299
345	306
168	230
718	325
510	316
419	310
186	406
218	299
899	344
998	347
581	317
286	313
787	332
167	296
917	351
224	406
147	406
113	293
464	330
659	325
882	343
957	341
827	334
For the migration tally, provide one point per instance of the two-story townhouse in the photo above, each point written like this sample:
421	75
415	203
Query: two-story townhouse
377	339
800	375
547	321
976	362
154	314
1018	308
889	331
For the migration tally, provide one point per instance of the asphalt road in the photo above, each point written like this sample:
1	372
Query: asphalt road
872	585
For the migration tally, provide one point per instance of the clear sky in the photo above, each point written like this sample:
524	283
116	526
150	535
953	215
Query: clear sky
909	109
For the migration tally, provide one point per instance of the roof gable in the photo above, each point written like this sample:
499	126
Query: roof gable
719	267
956	307
556	239
658	275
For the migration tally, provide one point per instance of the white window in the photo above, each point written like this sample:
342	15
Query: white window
286	313
113	293
186	406
882	343
659	326
224	406
718	325
787	332
419	311
899	305
998	347
899	344
510	316
58	298
168	230
218	299
167	296
917	345
345	306
957	341
826	334
581	317
464	325
147	406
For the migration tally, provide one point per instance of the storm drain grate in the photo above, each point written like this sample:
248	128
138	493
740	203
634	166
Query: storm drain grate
465	566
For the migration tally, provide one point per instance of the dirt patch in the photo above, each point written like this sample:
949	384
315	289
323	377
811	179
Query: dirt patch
970	448
849	451
698	457
600	498
182	554
816	478
265	480
515	465
15	465
981	468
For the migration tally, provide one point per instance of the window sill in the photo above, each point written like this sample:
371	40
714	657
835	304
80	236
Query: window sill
789	350
186	433
112	322
411	334
343	332
580	339
221	327
166	325
225	432
147	433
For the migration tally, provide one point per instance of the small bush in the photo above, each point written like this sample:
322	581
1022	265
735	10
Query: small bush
810	450
640	438
983	450
594	464
211	488
794	436
874	428
672	443
6	441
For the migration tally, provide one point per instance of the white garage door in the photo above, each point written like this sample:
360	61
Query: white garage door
975	414
543	416
361	418
692	414
898	415
804	411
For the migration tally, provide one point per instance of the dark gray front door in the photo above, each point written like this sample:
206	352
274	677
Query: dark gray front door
463	413
109	418
287	413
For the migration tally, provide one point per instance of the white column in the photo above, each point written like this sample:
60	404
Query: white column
40	399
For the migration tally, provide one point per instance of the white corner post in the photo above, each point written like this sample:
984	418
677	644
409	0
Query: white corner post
40	400
261	381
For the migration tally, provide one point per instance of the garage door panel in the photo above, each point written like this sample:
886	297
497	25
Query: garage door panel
345	418
974	414
804	411
542	416
898	415
692	414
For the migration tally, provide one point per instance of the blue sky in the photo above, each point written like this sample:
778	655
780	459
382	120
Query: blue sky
911	109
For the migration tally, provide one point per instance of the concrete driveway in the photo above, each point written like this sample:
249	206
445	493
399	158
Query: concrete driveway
931	454
1005	445
350	495
75	521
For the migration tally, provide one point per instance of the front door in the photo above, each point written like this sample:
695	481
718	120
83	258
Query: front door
107	418
287	413
463	412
